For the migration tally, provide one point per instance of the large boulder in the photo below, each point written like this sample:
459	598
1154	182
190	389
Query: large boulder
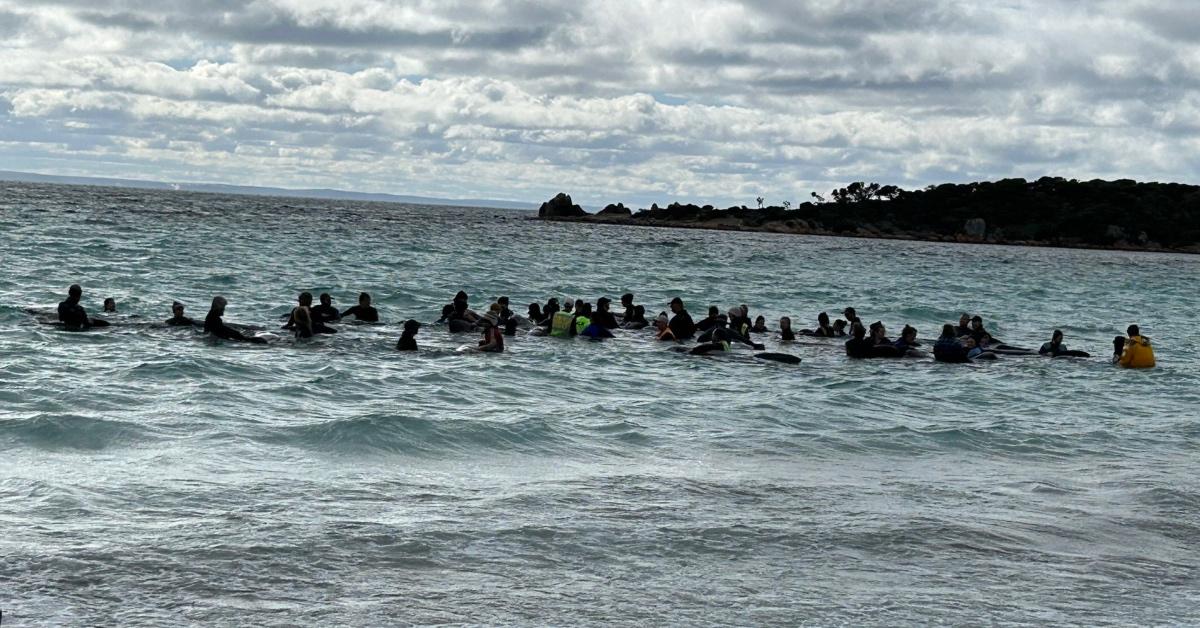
560	207
617	210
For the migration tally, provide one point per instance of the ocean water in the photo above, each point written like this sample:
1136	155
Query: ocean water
151	475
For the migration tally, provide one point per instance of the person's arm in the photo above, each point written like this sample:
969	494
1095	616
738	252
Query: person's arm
1127	355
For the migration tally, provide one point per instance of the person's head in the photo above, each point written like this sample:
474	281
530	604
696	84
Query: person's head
460	307
75	292
461	296
503	301
964	320
1056	337
760	320
661	321
734	312
839	325
568	305
584	309
364	299
822	319
496	309
411	327
713	311
602	304
948	331
218	305
1133	330
722	320
177	308
850	314
878	330
1119	345
677	305
447	310
858	331
976	322
909	333
627	299
326	300
551	308
969	342
110	305
535	312
785	323
305	299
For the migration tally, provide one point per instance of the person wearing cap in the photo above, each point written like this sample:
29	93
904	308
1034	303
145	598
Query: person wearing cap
681	324
739	323
325	312
493	339
408	338
662	328
851	318
177	318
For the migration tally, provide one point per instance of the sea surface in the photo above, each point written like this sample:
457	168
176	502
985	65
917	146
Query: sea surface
155	476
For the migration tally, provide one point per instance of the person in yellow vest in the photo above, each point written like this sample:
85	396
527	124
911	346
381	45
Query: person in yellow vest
1138	353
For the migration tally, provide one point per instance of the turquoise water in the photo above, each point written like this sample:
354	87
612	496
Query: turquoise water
154	476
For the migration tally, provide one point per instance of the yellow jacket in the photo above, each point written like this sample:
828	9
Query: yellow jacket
1138	353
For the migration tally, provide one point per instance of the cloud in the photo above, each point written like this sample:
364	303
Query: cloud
637	100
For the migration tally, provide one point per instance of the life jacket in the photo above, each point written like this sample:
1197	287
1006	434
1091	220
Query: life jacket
581	323
560	325
1138	353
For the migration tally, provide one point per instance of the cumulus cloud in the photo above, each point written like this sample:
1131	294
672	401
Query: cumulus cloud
635	100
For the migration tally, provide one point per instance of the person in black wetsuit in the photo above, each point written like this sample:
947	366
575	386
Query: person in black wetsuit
852	319
110	305
785	330
710	321
738	321
603	316
408	338
964	325
316	326
363	311
214	325
823	330
681	324
534	314
177	318
325	312
637	320
948	347
1056	349
858	346
72	314
760	325
627	307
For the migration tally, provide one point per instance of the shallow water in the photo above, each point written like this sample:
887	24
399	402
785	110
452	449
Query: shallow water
155	476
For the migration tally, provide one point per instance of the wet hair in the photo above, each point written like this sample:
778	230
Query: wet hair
1057	334
584	309
823	319
627	298
325	298
785	321
305	297
410	327
1133	330
602	302
760	319
363	296
849	312
551	309
75	290
977	319
858	331
535	312
447	310
502	301
1119	344
639	314
461	296
948	331
908	329
110	302
176	305
839	324
713	310
964	315
219	301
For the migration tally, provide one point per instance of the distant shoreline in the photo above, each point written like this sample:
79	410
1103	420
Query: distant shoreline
595	219
1120	215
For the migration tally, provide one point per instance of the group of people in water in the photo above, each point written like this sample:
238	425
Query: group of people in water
967	341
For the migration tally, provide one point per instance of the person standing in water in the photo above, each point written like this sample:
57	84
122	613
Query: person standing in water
408	338
785	330
214	324
948	347
177	318
493	340
1138	353
363	311
603	316
325	312
681	323
71	313
314	326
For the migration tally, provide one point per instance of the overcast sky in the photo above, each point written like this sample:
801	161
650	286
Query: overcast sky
635	101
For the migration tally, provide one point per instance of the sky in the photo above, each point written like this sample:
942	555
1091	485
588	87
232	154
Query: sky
705	101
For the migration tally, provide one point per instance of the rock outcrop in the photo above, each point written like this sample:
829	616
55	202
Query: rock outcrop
560	207
615	210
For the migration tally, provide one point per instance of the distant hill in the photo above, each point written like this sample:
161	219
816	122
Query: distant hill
219	188
1051	211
